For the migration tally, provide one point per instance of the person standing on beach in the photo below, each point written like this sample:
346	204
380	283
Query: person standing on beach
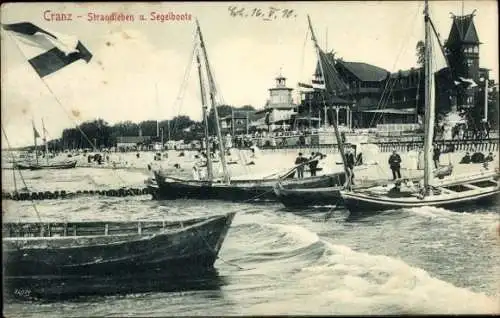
300	162
350	161
313	164
395	165
436	153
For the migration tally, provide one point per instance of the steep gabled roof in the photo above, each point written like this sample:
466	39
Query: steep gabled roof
333	82
365	72
463	30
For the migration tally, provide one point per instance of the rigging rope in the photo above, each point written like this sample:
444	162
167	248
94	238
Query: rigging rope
182	90
302	58
94	147
21	175
387	95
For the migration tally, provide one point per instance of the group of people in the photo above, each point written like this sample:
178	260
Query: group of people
312	161
476	157
462	131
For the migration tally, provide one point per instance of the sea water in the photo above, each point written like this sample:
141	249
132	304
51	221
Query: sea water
276	261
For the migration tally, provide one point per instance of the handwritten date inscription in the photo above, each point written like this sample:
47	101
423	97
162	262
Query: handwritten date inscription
268	14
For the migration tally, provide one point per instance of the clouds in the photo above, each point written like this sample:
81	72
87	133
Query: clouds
127	79
138	68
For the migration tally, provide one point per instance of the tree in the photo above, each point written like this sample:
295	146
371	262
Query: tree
420	53
247	108
88	134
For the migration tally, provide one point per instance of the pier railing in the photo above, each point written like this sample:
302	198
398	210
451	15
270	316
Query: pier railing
481	145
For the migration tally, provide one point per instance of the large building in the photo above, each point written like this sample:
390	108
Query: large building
367	95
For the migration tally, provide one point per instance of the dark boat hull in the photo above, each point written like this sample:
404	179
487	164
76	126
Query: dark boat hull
361	205
57	288
302	198
64	165
238	190
189	250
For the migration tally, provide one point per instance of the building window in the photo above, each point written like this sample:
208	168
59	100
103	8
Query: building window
470	100
469	63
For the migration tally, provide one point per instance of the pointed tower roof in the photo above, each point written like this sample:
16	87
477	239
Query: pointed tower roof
463	30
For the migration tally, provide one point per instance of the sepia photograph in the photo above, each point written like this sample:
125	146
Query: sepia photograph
250	158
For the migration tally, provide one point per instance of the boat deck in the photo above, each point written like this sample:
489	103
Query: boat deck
73	229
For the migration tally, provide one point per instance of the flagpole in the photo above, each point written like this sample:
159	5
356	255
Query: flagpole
35	133
45	142
246	126
20	174
168	129
232	120
485	99
157	106
53	95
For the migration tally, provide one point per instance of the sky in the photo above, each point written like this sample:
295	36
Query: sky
138	68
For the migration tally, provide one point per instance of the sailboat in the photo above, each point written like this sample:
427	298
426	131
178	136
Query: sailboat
169	187
37	165
293	197
57	250
431	193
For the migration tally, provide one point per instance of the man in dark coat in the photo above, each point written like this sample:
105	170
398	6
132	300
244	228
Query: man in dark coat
313	164
436	153
395	164
300	169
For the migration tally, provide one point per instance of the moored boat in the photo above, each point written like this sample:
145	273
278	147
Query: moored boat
112	248
55	165
170	187
431	193
238	190
457	195
295	197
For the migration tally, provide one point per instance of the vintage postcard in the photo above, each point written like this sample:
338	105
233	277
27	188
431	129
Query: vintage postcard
250	158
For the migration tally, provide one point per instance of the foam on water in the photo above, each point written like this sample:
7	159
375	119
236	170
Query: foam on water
345	281
296	264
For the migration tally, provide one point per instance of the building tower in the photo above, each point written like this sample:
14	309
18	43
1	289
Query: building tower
280	95
462	49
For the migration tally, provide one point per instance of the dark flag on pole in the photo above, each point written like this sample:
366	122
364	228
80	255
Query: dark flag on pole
35	132
53	51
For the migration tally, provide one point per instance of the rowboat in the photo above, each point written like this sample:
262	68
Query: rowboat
55	165
104	249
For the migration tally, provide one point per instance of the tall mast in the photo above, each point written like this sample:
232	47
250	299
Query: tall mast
340	144
205	119
212	91
157	106
35	135
45	142
429	102
486	98
168	130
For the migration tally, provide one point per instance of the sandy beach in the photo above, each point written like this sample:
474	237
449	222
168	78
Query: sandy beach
128	170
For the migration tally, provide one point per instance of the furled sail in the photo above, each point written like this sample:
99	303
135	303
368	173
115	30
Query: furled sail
333	83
